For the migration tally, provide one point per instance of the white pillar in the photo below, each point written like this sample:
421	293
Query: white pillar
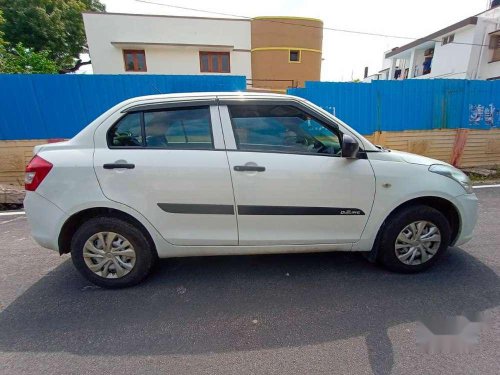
392	69
411	68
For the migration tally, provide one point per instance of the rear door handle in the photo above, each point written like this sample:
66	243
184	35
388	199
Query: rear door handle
118	165
249	168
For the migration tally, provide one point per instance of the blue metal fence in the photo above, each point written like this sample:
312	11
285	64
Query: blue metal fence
59	106
408	105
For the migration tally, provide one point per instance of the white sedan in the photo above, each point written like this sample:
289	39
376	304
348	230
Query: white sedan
237	173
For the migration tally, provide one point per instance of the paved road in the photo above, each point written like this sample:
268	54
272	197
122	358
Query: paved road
287	314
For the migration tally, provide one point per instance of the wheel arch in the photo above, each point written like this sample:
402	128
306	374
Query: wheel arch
70	226
443	205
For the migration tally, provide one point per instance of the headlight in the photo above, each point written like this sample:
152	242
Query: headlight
454	174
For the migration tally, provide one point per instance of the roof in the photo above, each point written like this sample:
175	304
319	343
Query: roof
212	95
164	16
430	37
292	18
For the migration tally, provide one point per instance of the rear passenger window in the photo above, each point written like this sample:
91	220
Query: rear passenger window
179	128
186	128
127	132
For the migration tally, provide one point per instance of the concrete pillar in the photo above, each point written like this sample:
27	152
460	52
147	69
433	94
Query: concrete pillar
411	67
392	69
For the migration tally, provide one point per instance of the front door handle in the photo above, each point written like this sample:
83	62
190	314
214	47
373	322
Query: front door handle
249	168
118	165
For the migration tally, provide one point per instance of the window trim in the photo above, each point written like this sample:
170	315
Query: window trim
143	130
219	61
494	41
333	129
135	52
299	52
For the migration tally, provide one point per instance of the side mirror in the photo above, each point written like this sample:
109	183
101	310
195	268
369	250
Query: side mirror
350	146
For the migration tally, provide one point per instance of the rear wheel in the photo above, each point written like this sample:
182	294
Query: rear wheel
414	239
111	253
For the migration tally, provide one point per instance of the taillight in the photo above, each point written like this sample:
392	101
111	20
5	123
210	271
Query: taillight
36	170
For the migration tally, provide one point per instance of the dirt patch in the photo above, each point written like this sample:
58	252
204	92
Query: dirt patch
11	197
482	176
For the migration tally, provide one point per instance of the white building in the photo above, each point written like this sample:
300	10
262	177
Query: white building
122	43
469	49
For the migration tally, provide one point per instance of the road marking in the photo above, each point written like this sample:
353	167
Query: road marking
485	186
10	221
12	213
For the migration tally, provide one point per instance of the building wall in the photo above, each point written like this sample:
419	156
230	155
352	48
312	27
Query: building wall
171	44
272	40
481	65
452	59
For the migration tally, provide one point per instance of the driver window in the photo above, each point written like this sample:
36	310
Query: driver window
281	128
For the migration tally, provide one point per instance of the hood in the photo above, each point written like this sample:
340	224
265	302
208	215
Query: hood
407	157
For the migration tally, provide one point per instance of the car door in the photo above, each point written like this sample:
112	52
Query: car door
169	164
291	184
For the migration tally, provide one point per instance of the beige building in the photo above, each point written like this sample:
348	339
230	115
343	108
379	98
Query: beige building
286	51
272	52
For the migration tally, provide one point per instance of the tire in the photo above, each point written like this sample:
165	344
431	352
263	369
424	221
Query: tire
121	271
401	223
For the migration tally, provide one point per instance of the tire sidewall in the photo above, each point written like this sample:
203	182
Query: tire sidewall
144	255
397	222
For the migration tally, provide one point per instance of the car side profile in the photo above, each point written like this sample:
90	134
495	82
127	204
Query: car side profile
237	173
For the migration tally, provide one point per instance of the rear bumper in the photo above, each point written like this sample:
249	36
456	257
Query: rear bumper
467	205
45	220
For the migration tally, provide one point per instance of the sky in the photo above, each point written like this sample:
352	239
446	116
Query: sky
344	54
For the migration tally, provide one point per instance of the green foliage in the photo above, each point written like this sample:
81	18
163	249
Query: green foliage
25	60
2	42
55	26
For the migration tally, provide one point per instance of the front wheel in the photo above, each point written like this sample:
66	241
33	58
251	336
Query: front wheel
111	253
413	239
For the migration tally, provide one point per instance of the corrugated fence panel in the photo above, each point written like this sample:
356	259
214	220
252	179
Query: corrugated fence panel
482	148
59	106
414	104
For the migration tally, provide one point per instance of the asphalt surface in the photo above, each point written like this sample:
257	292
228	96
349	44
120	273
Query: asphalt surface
275	314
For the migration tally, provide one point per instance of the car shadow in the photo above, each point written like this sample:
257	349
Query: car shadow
240	303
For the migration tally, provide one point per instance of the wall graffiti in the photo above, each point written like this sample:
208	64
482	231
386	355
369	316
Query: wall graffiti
488	115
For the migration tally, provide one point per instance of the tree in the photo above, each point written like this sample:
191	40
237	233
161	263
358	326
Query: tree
25	60
2	42
55	26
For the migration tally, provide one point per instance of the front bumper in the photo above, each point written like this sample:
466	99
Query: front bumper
45	220
467	205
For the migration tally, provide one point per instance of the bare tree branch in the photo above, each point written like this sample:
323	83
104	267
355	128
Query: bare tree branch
78	64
